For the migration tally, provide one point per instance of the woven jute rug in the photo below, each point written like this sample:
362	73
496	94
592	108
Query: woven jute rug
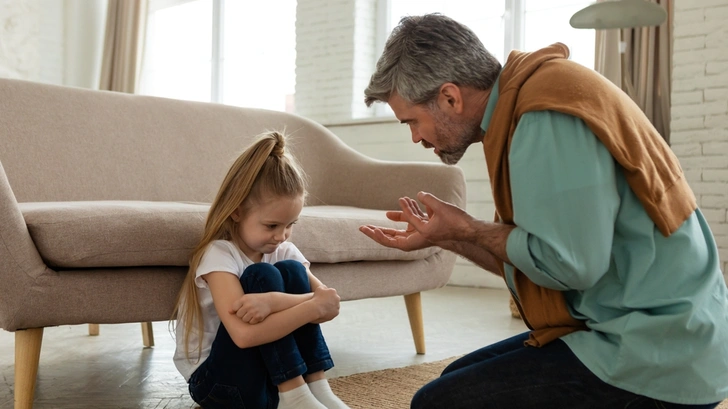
388	388
392	388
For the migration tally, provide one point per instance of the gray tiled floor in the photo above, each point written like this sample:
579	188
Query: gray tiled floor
113	370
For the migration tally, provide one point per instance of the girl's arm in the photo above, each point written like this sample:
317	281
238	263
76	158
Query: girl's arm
315	283
312	280
323	305
254	308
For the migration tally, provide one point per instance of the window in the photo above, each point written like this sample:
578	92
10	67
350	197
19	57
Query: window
504	25
177	54
547	22
232	52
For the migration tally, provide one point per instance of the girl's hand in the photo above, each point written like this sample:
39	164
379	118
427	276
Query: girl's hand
252	308
327	303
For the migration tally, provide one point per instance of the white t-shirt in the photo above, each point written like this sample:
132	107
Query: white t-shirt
221	255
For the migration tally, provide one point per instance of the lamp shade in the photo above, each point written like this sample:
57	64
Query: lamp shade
619	14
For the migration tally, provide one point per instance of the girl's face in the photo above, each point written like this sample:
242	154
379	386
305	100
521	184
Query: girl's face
264	227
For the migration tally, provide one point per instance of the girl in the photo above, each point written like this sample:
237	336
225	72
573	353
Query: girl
248	311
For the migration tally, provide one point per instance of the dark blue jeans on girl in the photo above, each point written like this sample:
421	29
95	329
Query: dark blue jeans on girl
233	377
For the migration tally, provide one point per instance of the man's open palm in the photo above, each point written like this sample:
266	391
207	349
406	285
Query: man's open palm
423	229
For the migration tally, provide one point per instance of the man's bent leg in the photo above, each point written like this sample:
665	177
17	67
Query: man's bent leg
511	344
519	377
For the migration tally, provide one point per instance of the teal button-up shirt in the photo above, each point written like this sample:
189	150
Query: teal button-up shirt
657	306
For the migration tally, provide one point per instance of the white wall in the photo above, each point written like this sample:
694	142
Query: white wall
20	39
335	43
53	41
700	108
84	31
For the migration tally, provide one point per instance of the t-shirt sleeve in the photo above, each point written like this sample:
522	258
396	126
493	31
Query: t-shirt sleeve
219	256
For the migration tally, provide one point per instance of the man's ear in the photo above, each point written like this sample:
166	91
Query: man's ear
450	98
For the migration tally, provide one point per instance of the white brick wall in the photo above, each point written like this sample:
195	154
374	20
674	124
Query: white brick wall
700	108
365	57
334	57
20	39
32	40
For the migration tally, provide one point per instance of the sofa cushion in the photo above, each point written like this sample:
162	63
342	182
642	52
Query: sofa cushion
81	234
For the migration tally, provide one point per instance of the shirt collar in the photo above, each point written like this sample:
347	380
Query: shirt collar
490	107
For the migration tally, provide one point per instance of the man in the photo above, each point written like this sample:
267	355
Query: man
597	233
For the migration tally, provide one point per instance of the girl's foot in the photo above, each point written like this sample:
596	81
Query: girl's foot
299	398
322	391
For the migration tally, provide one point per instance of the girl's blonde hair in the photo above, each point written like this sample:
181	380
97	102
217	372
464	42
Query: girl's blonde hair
262	171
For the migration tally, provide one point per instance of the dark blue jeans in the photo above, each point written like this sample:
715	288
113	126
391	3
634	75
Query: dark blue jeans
508	375
233	377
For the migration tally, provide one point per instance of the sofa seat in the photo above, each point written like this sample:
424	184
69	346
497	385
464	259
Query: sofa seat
93	234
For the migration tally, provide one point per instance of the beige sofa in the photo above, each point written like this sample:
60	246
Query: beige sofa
103	195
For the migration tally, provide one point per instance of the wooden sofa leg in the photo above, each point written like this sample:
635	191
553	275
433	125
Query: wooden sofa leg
27	356
414	312
147	334
93	329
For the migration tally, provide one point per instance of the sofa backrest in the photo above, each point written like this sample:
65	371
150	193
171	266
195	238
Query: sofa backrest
61	143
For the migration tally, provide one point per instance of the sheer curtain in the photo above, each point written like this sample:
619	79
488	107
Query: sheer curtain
641	65
123	44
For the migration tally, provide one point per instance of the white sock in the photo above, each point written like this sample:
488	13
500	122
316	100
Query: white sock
322	391
298	398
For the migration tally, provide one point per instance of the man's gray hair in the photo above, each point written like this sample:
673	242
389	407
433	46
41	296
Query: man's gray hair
424	52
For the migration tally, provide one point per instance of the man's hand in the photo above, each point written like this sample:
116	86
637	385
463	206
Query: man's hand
327	303
252	308
407	240
443	223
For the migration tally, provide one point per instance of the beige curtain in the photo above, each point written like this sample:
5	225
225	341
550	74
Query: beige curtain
607	59
643	69
123	45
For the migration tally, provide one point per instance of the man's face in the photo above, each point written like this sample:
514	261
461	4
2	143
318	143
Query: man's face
433	128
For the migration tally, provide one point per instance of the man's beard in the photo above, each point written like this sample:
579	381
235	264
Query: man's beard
460	134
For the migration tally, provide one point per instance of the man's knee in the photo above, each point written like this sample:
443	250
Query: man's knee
435	395
420	400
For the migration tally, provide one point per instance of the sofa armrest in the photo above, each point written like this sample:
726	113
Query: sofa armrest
20	264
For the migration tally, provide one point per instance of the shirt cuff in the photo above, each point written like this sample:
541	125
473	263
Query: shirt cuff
520	256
